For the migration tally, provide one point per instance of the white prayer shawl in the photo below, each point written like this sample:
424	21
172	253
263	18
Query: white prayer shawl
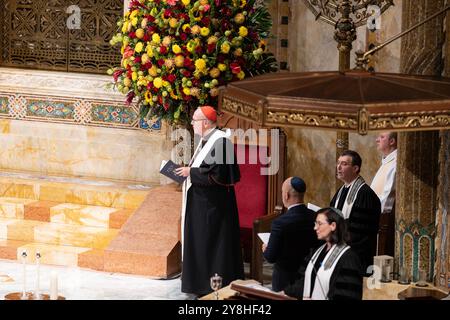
323	275
197	159
385	177
352	194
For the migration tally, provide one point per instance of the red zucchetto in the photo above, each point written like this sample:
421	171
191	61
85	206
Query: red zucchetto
209	112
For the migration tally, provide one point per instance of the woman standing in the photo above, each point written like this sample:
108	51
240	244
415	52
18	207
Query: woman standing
333	271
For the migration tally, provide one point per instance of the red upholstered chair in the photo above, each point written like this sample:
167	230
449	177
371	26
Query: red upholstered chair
251	196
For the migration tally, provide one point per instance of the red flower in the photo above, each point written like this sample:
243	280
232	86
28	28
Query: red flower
211	47
163	49
132	34
171	78
160	62
235	68
150	18
205	21
166	106
146	37
137	59
183	36
186	73
148	65
167	13
117	73
199	50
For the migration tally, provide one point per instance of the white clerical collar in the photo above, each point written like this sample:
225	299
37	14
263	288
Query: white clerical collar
351	183
207	134
391	156
294	205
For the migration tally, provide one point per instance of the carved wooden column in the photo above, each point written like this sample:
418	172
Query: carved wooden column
442	277
417	167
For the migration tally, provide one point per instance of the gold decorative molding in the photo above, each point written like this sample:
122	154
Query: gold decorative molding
238	108
311	118
414	121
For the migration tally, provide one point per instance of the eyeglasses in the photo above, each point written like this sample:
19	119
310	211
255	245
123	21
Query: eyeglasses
193	120
319	223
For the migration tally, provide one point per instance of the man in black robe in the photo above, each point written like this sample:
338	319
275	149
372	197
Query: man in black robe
211	242
361	208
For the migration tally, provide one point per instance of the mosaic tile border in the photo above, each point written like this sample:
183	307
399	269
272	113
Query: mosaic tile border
423	239
89	112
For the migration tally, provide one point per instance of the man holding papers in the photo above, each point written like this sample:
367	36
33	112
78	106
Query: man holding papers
292	235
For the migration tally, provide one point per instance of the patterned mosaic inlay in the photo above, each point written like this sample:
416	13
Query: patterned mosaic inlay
4	105
113	114
50	109
79	111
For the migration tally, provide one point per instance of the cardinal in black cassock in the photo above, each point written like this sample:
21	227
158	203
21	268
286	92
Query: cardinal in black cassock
211	223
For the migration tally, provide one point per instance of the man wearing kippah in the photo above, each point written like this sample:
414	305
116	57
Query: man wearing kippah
292	235
210	221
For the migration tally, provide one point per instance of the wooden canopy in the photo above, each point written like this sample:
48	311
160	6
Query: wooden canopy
353	101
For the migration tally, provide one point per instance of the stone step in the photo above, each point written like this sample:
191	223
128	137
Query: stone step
56	234
71	190
67	213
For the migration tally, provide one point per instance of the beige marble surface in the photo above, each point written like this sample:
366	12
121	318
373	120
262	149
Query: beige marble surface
73	150
311	156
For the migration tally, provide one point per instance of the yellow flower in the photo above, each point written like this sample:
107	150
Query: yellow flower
134	76
173	23
200	64
241	75
179	61
158	82
145	58
127	82
243	31
148	97
149	50
225	47
214	73
156	38
140	33
195	29
176	49
222	67
153	71
185	26
134	13
186	2
204	31
239	18
186	91
212	39
139	47
191	45
125	27
166	41
134	22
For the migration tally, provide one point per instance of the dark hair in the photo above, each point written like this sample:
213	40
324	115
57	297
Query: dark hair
340	235
356	158
393	135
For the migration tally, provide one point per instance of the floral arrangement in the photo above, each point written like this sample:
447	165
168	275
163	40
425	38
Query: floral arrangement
176	53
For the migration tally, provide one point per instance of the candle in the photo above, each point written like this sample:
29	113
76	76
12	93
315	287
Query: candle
37	294
24	263
54	287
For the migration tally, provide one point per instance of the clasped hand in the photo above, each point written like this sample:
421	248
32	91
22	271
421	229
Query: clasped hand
183	171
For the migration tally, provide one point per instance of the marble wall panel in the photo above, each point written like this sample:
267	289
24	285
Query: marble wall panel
73	150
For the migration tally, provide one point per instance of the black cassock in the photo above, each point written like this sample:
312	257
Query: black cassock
211	228
362	224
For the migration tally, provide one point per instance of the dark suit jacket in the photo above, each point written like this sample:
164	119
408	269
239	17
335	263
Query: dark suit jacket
291	239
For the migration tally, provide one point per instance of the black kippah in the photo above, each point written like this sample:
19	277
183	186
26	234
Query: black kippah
298	184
